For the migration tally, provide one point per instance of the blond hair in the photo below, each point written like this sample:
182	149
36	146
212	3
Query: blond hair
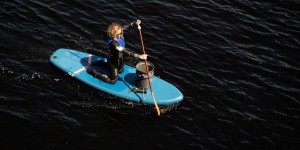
113	29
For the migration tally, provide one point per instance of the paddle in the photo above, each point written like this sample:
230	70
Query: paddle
149	81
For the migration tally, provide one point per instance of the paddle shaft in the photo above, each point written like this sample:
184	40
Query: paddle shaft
149	80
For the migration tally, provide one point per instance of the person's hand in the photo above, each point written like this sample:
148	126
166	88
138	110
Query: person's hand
143	56
138	22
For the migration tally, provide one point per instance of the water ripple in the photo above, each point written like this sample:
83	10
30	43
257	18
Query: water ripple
237	63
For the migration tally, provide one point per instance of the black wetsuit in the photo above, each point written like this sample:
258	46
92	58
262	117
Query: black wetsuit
115	61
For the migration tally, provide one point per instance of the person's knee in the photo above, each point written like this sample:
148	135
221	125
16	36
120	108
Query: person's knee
113	78
113	81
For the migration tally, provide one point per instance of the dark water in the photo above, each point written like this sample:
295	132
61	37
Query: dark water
236	62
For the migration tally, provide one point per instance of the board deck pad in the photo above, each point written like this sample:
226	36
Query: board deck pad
75	63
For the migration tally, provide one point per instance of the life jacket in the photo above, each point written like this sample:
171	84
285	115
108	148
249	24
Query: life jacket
121	41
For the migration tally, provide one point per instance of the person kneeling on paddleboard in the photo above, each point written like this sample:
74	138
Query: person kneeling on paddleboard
116	47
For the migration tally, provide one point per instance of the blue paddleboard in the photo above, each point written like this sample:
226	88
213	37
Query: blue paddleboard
75	63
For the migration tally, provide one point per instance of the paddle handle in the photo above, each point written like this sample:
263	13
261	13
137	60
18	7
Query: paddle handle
148	74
